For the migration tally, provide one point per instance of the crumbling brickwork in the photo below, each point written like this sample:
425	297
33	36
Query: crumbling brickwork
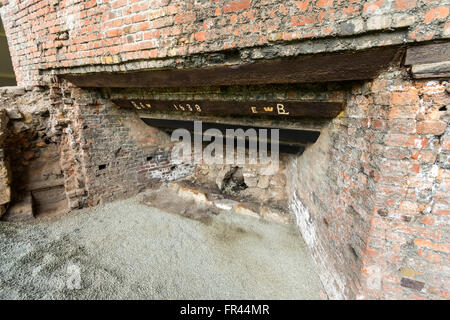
371	195
70	148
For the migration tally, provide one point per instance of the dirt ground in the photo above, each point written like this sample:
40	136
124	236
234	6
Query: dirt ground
127	250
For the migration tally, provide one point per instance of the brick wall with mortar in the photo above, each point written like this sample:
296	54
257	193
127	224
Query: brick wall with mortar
109	153
31	146
118	35
371	195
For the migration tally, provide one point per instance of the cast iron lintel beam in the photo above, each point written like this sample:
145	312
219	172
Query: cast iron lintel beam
358	65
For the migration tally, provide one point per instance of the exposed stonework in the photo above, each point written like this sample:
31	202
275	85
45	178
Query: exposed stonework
371	195
5	180
32	147
260	189
119	35
71	148
262	182
200	202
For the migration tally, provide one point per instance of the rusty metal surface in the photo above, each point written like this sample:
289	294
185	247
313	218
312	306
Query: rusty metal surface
359	65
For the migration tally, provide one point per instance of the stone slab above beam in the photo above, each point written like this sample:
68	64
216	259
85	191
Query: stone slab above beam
429	61
346	66
287	137
429	53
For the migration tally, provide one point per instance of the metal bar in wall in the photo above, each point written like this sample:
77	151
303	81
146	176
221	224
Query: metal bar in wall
254	109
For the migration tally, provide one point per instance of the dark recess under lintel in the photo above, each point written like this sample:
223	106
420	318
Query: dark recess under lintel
290	141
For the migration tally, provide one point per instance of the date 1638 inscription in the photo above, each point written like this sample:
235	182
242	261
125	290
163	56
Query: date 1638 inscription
318	109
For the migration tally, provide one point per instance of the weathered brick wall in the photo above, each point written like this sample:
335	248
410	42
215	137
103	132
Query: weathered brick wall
371	195
409	230
5	179
51	34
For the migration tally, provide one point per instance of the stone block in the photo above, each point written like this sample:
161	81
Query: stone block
14	114
20	211
264	182
250	179
225	204
241	209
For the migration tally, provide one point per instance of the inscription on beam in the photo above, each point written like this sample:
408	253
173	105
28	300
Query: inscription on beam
316	109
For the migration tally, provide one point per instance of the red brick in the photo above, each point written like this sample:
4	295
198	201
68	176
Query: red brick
403	112
441	210
438	13
303	20
427	220
373	6
201	36
424	243
403	140
144	26
402	126
404	98
237	5
424	156
185	17
379	124
431	127
302	5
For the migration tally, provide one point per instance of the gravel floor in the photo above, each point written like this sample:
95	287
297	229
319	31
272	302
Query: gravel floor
126	250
